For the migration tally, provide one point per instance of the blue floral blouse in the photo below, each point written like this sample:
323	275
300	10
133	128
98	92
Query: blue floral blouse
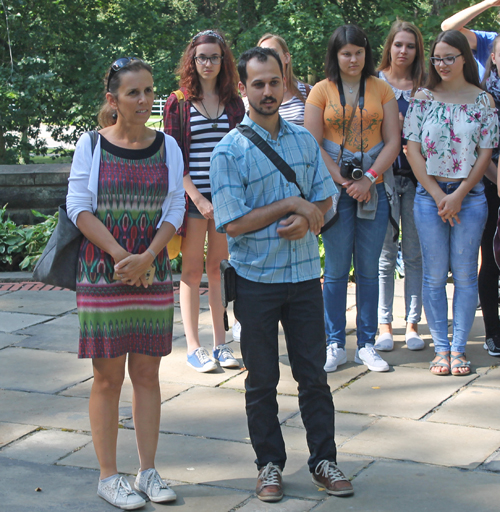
450	133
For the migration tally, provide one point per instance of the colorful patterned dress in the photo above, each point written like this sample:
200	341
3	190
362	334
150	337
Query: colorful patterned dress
115	318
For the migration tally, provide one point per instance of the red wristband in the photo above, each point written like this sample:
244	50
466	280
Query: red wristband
372	172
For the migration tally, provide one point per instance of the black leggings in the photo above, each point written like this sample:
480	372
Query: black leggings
489	273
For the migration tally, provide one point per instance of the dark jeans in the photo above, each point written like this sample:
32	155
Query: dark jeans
259	307
489	273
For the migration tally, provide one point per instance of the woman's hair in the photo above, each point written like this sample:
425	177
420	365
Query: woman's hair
489	63
456	39
107	115
291	79
227	79
347	34
418	67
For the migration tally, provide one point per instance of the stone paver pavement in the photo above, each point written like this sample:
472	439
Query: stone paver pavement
408	440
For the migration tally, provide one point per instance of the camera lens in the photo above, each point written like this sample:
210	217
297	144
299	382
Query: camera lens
357	173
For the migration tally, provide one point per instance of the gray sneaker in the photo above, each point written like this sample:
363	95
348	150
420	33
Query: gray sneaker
119	493
149	482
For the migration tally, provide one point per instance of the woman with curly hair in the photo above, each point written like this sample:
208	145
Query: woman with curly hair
198	116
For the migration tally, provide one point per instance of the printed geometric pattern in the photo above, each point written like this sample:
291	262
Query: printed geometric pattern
115	318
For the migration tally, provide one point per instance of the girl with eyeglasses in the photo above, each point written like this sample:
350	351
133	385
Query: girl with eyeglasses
208	108
451	127
403	68
354	117
126	196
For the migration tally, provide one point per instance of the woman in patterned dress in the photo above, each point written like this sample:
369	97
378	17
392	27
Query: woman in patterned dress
451	127
211	109
126	196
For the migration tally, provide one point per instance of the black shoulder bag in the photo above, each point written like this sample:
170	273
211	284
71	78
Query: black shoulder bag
280	164
59	261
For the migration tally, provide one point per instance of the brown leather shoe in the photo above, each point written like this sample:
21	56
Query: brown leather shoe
329	476
269	484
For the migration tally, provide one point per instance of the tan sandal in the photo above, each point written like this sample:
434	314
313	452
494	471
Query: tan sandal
442	362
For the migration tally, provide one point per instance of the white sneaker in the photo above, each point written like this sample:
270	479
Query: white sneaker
367	356
149	482
236	331
201	361
335	356
225	356
119	493
385	342
413	341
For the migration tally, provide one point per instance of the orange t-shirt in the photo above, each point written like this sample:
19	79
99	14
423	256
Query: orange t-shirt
325	96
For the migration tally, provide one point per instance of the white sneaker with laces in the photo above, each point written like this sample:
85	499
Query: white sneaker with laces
368	356
236	331
335	356
225	356
119	493
201	361
149	482
385	342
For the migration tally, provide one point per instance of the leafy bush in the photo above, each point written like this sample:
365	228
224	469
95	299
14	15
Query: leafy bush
21	246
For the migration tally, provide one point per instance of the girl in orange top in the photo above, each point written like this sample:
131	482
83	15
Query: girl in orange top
372	143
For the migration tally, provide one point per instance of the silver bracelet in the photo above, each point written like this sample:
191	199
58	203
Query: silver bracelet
151	252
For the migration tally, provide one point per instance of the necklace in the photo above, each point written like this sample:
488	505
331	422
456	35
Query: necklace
215	125
351	89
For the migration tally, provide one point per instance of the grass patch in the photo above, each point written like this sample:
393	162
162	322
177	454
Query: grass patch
155	122
51	158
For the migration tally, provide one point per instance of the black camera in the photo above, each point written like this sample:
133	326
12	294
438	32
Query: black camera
351	169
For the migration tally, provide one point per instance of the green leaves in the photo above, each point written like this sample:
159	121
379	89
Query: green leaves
21	246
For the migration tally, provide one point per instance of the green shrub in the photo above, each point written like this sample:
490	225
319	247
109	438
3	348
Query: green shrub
21	246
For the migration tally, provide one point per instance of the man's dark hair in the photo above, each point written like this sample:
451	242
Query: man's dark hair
261	54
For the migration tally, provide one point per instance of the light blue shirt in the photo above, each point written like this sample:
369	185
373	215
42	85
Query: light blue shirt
243	178
483	49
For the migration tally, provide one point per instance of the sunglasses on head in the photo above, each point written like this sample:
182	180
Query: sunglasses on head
117	65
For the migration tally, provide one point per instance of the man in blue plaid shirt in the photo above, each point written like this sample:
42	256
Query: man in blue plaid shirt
272	242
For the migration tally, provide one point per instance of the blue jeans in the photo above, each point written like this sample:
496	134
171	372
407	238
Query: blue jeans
444	247
361	240
259	307
412	257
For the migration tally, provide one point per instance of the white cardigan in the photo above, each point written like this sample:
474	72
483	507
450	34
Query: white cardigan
84	181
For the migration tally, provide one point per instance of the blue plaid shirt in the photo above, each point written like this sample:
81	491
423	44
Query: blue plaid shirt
243	178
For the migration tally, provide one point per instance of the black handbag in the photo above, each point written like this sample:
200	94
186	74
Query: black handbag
331	215
58	263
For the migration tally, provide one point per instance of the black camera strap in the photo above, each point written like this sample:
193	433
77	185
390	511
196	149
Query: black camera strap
359	101
280	164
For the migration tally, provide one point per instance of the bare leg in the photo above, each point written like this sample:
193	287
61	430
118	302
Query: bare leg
385	328
411	328
103	410
146	405
192	270
217	251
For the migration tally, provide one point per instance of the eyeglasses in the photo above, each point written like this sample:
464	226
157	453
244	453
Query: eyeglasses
117	65
214	59
447	60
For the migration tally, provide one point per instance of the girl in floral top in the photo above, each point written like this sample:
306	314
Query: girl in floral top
451	127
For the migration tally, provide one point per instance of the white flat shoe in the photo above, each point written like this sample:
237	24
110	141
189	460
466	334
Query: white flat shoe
385	342
414	341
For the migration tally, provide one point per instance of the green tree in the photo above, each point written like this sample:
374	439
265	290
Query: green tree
61	48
